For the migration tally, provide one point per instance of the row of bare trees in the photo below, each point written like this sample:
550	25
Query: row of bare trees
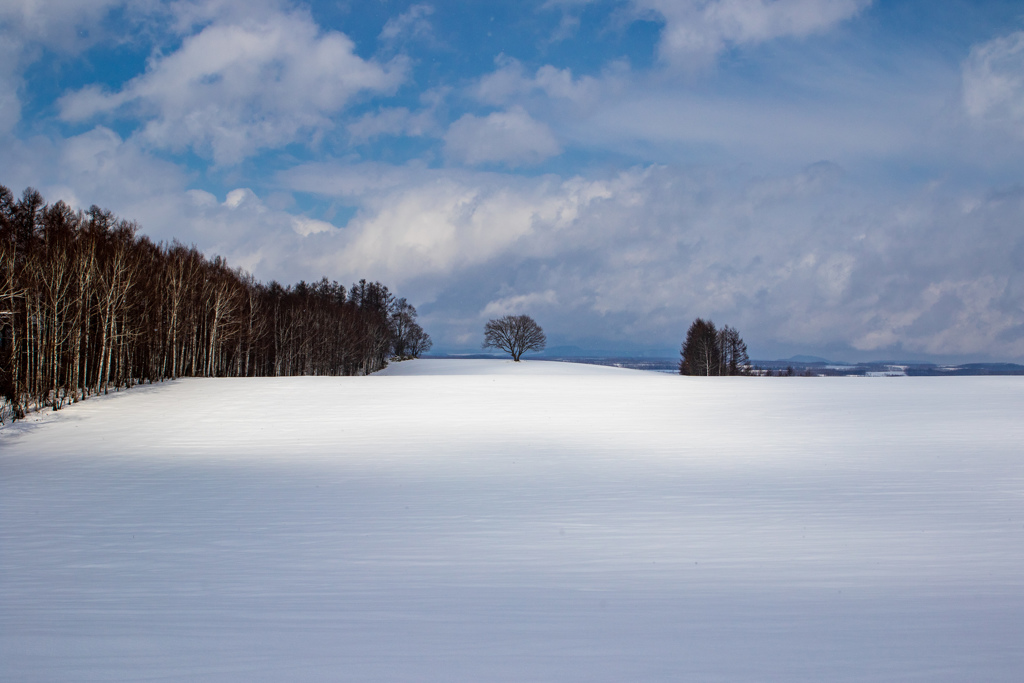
88	304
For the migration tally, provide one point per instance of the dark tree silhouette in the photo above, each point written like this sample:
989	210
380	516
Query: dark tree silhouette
701	353
710	351
410	341
734	352
88	305
514	334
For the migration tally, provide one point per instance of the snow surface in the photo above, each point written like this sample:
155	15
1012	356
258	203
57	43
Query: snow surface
463	520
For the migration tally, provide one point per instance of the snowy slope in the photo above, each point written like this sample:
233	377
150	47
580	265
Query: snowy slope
464	520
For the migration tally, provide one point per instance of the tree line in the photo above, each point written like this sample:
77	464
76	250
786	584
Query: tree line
88	304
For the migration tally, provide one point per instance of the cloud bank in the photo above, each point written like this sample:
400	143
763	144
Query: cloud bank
616	169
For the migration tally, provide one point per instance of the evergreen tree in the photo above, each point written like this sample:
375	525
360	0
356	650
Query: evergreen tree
701	353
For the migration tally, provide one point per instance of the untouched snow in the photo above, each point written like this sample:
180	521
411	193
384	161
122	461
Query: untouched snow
464	520
473	366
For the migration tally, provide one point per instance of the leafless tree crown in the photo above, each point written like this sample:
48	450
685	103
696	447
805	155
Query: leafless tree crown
514	334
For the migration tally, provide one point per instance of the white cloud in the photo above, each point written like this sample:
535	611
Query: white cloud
10	83
236	88
520	303
411	24
106	170
509	82
240	196
64	26
394	121
843	110
416	222
186	16
305	226
447	222
993	84
512	137
799	258
696	31
98	167
799	261
751	128
796	261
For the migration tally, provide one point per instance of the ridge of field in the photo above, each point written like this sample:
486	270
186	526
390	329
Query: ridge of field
486	520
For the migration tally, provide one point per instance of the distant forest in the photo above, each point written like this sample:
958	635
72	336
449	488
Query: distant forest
88	304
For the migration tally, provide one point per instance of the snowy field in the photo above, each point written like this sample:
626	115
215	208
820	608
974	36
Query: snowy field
458	520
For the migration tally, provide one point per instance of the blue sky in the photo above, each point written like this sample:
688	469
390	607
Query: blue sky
831	177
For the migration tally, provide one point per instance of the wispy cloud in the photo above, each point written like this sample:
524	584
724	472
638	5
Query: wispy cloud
520	304
392	121
697	31
512	137
413	24
993	84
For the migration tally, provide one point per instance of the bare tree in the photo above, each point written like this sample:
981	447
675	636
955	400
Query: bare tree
410	339
735	360
419	342
514	334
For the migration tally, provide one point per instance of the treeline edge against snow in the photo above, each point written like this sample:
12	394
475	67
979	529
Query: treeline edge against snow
88	304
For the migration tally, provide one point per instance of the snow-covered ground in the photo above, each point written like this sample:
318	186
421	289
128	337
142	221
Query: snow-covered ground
460	520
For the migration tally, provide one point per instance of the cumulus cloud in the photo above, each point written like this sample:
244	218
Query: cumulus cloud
795	261
696	31
806	260
236	88
512	137
800	261
993	84
446	222
99	167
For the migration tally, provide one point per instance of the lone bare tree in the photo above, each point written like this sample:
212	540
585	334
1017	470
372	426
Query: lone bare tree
514	334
